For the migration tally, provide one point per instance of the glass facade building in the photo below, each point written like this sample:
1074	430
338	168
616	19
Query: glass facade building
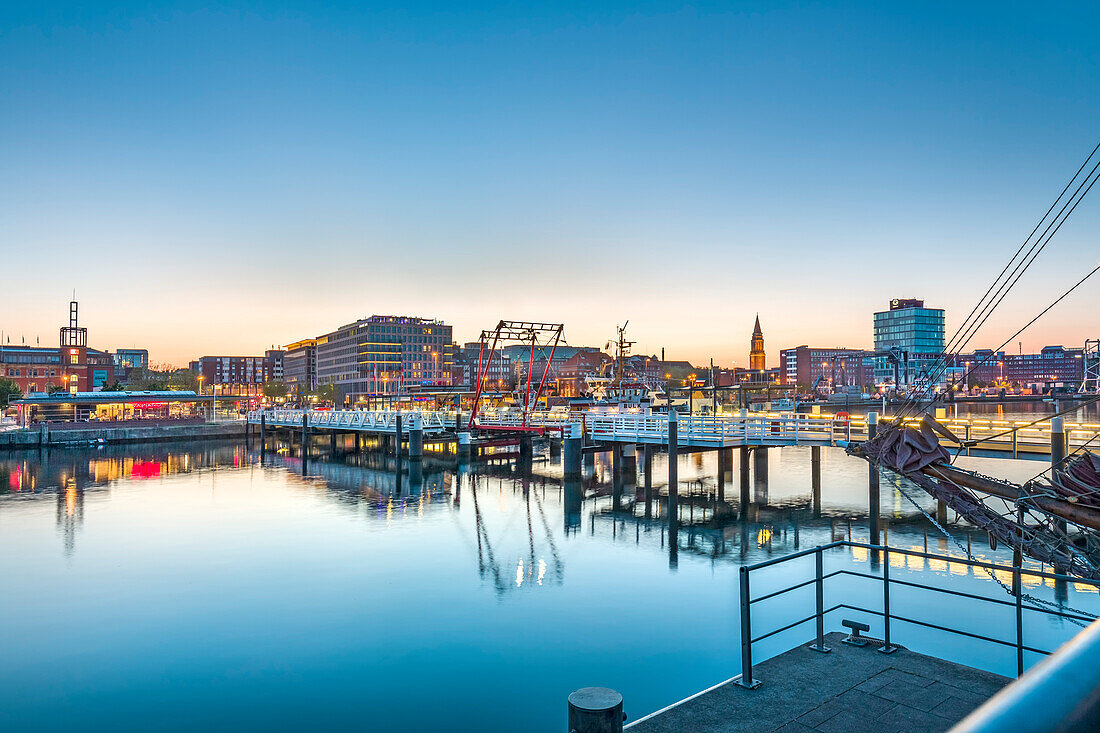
911	328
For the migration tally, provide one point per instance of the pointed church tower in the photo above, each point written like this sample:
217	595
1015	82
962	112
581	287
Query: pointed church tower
757	359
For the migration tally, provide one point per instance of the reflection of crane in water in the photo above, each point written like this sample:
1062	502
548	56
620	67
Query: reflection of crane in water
530	568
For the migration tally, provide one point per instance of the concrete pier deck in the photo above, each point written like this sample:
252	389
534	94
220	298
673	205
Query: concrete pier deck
849	689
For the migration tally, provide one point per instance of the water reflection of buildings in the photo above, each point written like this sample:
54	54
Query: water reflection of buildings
68	476
505	512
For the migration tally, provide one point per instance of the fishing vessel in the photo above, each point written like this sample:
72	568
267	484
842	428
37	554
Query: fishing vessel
618	384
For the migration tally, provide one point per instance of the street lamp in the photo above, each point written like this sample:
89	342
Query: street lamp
200	395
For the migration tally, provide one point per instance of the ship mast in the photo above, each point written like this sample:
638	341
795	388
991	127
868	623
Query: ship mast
622	350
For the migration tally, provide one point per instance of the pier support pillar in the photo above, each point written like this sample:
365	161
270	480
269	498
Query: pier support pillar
416	438
630	461
616	476
465	446
332	441
815	479
873	499
305	435
358	442
744	470
263	434
725	471
572	445
760	474
1057	458
526	448
397	435
647	477
573	497
673	477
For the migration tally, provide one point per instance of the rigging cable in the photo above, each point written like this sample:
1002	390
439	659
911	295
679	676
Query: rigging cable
1001	286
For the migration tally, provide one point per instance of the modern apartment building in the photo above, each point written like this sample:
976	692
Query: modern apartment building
300	365
241	375
385	355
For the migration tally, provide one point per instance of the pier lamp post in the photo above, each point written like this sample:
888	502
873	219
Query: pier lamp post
966	364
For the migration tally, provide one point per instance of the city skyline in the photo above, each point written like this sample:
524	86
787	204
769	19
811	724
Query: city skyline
773	361
680	167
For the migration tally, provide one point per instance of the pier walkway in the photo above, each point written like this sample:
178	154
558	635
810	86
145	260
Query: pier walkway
766	429
851	689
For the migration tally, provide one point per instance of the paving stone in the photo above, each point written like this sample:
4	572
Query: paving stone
961	693
795	727
885	677
865	703
820	714
921	697
847	721
911	720
954	709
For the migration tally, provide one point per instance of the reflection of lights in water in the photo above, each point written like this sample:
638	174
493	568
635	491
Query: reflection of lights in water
764	536
70	499
542	570
519	573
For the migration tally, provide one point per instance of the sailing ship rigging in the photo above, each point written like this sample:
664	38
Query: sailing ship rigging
1053	518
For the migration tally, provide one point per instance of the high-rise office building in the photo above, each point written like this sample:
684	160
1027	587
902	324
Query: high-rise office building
916	336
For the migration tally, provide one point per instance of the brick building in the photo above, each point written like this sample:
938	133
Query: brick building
71	366
835	367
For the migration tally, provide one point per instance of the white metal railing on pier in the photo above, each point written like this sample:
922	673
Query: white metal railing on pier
373	421
746	428
703	430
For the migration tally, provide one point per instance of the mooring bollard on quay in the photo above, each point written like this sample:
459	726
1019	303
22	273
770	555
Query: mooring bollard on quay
595	710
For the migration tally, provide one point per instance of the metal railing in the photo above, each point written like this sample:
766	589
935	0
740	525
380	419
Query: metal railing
1058	694
377	421
746	678
746	428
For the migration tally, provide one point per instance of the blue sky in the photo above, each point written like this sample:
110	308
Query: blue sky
220	178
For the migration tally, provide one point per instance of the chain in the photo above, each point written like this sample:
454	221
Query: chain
989	571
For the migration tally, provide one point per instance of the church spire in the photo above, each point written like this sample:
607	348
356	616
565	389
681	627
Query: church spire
757	357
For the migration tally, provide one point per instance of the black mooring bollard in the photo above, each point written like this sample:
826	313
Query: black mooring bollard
595	710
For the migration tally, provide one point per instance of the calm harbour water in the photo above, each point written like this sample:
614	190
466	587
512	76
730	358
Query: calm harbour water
190	586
